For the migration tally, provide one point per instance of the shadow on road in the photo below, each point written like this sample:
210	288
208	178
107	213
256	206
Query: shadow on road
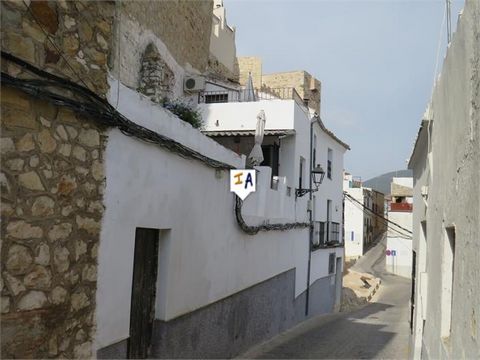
320	340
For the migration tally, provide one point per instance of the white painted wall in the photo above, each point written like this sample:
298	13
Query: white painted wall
204	256
402	218
354	217
287	115
400	263
451	172
279	114
404	181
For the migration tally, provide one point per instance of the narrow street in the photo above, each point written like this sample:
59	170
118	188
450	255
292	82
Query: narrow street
377	330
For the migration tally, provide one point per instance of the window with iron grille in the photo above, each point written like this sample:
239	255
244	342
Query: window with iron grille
216	98
322	233
331	263
335	231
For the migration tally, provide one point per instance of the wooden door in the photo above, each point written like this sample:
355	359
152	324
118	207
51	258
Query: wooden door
144	281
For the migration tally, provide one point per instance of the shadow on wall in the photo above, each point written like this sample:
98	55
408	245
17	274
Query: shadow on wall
317	338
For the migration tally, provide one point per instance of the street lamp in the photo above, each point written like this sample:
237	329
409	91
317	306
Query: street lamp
317	174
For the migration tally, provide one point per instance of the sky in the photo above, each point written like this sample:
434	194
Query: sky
375	59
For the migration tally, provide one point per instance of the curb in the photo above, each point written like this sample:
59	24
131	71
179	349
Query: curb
370	296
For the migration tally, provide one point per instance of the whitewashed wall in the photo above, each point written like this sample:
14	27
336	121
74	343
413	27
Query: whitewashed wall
287	115
279	114
204	256
354	216
402	218
400	263
452	176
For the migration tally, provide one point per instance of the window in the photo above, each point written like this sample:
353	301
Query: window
448	262
216	98
335	232
314	156
331	263
301	174
329	164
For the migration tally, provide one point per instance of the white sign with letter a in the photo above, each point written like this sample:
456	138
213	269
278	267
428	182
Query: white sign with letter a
242	182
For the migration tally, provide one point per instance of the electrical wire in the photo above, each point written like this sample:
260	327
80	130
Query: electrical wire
59	52
93	106
386	221
254	229
389	228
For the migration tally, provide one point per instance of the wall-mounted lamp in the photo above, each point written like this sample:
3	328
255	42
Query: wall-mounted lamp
317	175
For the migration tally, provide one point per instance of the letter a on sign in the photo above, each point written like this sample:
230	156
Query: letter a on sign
242	182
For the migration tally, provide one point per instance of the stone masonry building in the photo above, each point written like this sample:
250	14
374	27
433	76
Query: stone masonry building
52	180
52	176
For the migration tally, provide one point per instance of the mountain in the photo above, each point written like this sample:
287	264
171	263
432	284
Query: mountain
382	182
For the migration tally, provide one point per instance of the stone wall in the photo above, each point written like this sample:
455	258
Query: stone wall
184	27
253	65
52	185
52	181
305	84
69	39
216	70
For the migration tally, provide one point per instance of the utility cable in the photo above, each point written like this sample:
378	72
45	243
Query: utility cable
92	106
53	44
351	198
254	229
361	208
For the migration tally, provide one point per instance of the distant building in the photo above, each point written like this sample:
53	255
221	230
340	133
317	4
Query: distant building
399	242
364	216
445	314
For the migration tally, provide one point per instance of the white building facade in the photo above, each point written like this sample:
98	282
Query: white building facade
399	240
446	217
174	238
364	222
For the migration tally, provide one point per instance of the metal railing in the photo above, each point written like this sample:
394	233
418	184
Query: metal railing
326	233
224	96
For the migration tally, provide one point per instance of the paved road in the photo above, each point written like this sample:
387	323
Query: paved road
379	330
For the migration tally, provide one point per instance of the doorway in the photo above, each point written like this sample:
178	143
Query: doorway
142	310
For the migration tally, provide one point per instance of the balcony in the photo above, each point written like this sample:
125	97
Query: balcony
228	96
401	207
326	234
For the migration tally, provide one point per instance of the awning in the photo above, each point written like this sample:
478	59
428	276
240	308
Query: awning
248	133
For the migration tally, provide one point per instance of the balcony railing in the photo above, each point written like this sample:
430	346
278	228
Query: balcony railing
326	233
224	96
401	207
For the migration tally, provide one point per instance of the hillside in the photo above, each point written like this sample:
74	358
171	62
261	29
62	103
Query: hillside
382	182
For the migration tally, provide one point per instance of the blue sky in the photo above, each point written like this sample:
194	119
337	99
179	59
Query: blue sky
375	59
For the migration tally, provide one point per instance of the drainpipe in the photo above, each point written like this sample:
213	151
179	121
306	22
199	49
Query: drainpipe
310	215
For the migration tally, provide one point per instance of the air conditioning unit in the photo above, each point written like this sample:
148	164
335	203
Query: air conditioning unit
316	233
193	83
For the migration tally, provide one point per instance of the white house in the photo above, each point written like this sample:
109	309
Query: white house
176	255
445	316
364	216
358	217
399	240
